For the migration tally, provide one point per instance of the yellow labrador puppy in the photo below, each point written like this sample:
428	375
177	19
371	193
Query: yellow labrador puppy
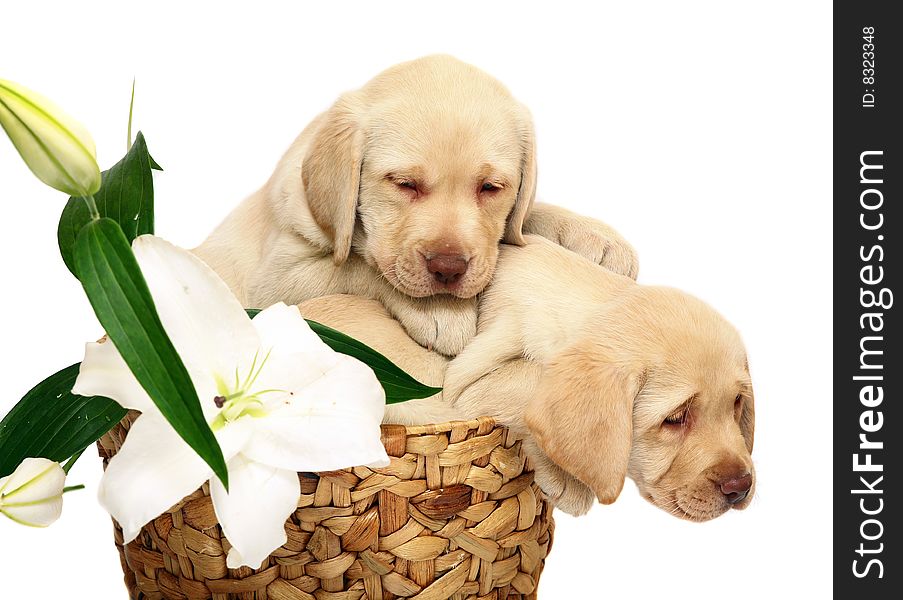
608	379
603	378
402	192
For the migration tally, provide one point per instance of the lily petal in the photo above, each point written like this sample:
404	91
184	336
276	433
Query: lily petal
34	479
296	356
317	443
206	323
155	468
282	328
348	387
33	494
332	423
39	514
254	511
104	373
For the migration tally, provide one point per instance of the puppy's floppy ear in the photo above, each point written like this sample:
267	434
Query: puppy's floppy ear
331	174
526	191
582	416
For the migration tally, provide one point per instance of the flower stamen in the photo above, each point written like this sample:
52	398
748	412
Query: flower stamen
241	401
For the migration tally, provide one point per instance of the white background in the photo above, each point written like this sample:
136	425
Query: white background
702	131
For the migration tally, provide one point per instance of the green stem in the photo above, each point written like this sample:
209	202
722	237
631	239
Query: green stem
72	488
72	460
128	142
92	207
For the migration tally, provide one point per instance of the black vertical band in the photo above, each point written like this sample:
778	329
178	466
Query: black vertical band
868	370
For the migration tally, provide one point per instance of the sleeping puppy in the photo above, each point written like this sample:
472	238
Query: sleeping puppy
610	379
401	192
604	379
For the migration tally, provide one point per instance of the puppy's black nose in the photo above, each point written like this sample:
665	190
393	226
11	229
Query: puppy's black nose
447	268
736	489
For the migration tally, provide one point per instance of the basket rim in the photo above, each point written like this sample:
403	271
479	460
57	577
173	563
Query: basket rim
484	422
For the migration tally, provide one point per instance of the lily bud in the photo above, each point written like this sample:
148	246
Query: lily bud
33	494
57	149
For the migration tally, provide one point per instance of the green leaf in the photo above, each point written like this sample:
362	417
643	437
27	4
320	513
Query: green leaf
50	422
126	195
122	302
398	385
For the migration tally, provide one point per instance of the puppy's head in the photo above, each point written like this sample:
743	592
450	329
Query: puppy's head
660	393
423	171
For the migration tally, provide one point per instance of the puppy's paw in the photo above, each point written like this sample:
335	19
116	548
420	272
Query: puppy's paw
560	487
601	244
441	324
563	490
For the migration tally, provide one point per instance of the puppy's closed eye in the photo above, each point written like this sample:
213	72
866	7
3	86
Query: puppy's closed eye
491	187
678	418
407	185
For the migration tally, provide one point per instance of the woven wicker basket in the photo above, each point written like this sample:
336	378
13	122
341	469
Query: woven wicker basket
456	515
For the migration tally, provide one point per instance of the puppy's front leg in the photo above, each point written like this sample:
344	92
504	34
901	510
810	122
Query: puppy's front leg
585	236
502	393
441	323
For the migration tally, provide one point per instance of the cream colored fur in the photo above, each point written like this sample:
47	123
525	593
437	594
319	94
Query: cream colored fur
393	173
586	365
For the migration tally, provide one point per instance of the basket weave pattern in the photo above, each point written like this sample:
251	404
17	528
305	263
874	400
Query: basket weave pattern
455	515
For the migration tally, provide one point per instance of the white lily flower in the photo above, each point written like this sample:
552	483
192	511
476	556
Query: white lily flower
33	494
278	399
56	147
